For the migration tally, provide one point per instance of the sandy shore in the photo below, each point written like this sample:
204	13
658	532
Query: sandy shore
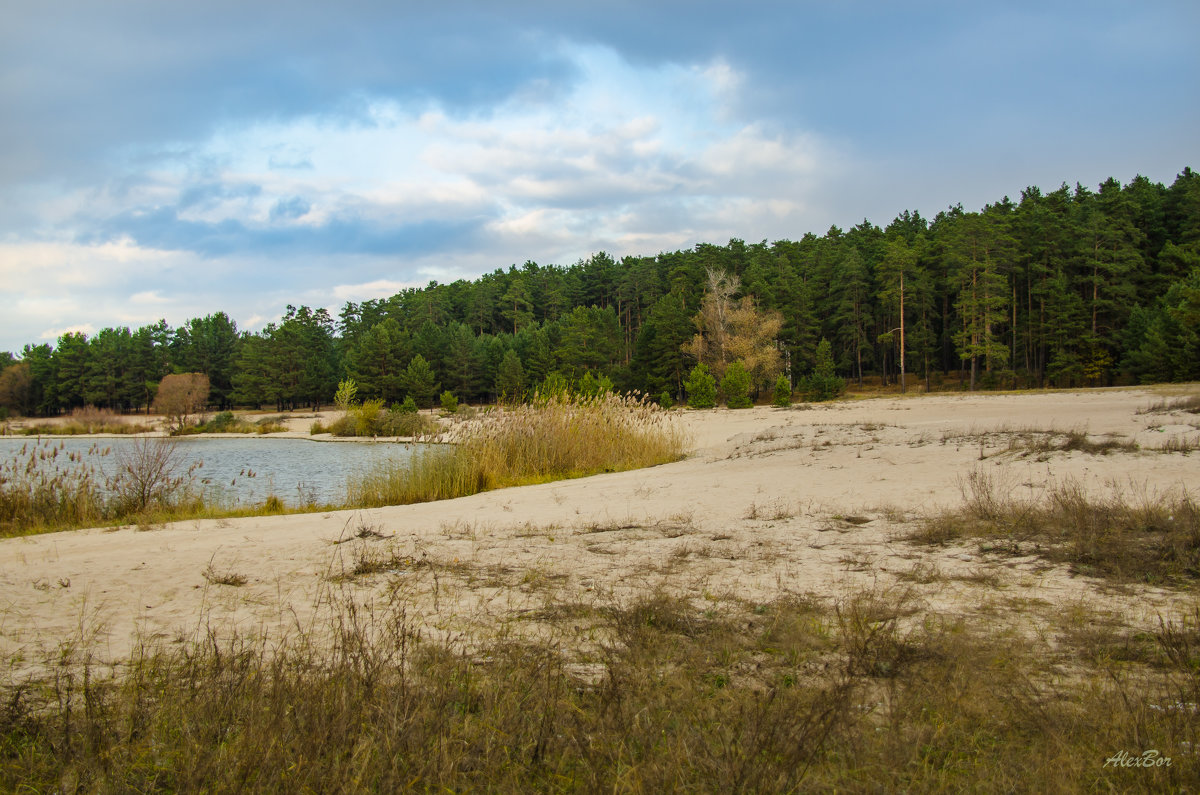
805	501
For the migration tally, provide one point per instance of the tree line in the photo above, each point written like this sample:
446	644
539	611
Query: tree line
1071	287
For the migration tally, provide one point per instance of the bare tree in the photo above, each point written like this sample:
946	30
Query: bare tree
148	471
181	397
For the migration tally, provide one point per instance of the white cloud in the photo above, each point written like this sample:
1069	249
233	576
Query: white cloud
621	134
53	334
152	297
629	159
380	288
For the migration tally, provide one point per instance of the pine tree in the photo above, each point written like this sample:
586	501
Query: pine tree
701	388
510	378
736	386
418	381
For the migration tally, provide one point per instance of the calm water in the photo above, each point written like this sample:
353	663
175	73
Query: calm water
247	470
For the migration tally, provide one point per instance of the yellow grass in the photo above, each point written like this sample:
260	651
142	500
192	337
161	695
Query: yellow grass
548	439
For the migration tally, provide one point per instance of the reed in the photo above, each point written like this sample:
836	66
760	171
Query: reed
44	488
550	438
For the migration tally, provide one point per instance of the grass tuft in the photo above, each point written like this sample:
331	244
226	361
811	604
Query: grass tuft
1153	539
1188	403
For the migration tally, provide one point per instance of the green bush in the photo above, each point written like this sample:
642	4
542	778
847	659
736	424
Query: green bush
449	403
701	388
407	423
664	400
409	406
591	386
222	422
783	392
346	392
736	386
554	385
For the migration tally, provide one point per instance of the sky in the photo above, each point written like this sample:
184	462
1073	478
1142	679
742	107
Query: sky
171	160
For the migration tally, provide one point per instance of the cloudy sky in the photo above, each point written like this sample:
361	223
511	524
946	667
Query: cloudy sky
169	160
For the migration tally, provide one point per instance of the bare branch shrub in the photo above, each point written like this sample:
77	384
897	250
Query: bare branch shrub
149	471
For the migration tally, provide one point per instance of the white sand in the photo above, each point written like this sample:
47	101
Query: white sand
754	513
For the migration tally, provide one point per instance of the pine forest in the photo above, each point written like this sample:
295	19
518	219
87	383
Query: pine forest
1068	288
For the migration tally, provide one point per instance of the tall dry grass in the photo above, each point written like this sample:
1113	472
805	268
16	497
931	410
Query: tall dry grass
44	487
85	420
550	438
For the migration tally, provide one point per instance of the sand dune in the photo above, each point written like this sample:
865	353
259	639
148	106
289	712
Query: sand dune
805	500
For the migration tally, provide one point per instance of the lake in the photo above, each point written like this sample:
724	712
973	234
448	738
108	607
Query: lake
246	470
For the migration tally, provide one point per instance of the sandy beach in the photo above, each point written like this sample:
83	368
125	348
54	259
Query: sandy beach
808	500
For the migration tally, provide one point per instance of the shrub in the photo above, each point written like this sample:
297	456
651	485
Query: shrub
591	386
664	400
407	423
180	397
359	420
409	406
222	422
701	388
736	386
783	392
554	384
346	392
148	472
449	402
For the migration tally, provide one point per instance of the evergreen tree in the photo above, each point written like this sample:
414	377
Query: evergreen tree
701	388
823	383
736	386
510	379
852	308
418	382
377	361
783	392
